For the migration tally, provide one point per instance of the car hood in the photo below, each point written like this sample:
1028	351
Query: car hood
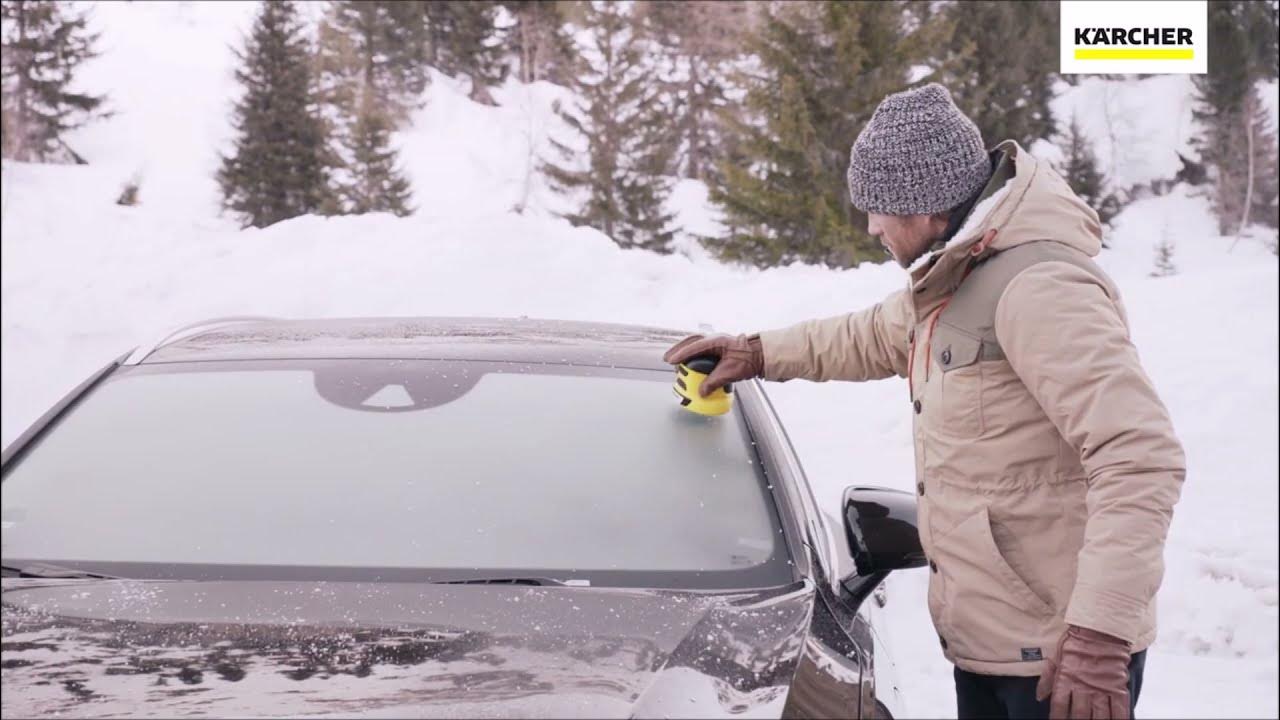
170	648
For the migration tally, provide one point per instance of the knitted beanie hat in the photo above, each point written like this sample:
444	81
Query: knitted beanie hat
918	155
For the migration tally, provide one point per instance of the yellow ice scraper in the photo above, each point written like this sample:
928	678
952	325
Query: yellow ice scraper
690	375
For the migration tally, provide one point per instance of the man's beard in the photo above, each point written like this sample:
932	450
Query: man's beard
905	263
933	247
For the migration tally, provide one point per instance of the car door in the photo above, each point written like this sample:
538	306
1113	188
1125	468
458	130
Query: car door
835	677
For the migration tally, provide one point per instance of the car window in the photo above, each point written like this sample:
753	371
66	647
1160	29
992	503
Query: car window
485	467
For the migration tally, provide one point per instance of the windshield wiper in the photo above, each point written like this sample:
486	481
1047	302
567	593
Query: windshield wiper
43	570
531	580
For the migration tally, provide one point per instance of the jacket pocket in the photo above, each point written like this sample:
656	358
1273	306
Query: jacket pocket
958	354
988	612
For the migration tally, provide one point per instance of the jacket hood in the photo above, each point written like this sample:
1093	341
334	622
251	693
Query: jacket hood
1025	201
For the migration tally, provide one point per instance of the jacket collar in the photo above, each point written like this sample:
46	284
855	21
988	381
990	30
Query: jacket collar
935	276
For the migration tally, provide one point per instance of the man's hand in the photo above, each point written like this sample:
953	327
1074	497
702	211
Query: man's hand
1088	677
740	358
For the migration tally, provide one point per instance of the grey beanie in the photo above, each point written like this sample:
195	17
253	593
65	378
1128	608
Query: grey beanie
918	155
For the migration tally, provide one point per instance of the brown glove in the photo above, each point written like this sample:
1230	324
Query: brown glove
1088	677
740	358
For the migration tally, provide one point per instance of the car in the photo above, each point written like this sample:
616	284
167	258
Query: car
480	517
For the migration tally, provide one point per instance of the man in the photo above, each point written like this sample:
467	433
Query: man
1046	466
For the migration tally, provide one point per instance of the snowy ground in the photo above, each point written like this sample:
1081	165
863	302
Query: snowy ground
82	280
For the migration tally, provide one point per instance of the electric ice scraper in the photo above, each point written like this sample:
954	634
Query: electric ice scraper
690	375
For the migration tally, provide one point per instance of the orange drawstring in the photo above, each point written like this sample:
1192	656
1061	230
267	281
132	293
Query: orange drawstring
928	343
911	372
933	324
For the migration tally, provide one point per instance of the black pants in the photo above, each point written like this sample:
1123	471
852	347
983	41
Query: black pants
1000	696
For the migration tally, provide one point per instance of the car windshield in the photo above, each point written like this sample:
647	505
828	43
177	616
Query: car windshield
396	470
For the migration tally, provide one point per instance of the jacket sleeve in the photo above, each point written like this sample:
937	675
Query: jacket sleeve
865	345
1066	338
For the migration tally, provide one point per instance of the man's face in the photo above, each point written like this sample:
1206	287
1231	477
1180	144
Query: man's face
906	237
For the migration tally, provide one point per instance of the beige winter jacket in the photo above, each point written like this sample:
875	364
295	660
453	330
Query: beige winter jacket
1046	466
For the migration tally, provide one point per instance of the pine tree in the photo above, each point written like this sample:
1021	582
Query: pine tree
624	183
129	193
45	42
1235	142
1000	66
371	75
544	51
1164	266
825	67
376	183
463	42
699	40
378	44
1079	167
340	72
1258	197
280	164
6	128
538	39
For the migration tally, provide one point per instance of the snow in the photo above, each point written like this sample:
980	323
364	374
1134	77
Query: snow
84	280
1269	91
1138	127
168	71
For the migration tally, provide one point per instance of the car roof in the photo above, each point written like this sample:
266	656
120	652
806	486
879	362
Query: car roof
445	338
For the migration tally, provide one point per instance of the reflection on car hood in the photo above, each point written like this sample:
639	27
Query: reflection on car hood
164	649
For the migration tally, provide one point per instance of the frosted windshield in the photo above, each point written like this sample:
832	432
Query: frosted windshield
392	463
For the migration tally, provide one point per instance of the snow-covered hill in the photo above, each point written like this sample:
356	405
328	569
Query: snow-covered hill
83	280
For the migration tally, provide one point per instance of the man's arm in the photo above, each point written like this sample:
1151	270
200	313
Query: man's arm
1066	339
867	345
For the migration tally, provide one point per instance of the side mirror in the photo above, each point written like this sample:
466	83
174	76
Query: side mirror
880	527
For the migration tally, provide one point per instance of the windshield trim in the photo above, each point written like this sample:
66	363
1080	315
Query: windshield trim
762	575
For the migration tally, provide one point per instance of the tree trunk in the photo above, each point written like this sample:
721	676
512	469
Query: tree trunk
22	124
368	57
480	92
526	52
694	168
530	158
1250	106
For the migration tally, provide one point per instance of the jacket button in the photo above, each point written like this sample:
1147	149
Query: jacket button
916	405
946	356
920	488
933	566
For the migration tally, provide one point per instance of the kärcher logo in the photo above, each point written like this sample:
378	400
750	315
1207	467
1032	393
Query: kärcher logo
1134	43
1133	36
